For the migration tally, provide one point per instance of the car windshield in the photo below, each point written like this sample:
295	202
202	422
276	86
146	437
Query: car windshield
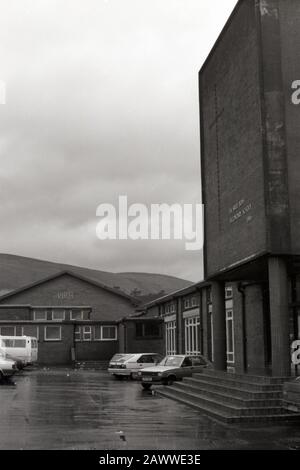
173	361
121	357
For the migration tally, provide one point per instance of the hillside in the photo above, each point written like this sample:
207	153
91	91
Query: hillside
18	271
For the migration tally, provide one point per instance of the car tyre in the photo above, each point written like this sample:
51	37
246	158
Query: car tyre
146	386
169	381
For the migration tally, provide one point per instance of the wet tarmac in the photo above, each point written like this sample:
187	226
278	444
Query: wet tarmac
70	409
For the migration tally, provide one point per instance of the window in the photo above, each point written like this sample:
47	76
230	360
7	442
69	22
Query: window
108	333
87	333
58	315
194	302
8	331
85	314
77	333
147	329
228	293
192	343
20	343
52	333
79	314
187	362
172	308
39	315
187	303
30	330
230	336
170	338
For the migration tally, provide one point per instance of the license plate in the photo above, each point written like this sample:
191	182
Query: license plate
147	379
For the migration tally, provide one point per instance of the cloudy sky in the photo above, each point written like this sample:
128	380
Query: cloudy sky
101	101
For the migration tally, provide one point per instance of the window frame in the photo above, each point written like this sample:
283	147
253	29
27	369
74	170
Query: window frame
84	327
52	339
40	319
58	311
230	332
109	339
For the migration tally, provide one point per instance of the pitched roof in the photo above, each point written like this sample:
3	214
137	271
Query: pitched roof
76	276
178	293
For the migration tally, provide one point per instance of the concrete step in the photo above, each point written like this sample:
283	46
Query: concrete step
224	416
231	396
222	407
233	382
260	379
241	391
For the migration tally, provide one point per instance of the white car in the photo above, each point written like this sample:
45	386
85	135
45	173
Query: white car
7	367
128	365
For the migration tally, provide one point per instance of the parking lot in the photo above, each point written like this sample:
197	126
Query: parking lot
61	408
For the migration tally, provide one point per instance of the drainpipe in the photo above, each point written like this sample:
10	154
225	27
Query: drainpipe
73	351
201	320
241	289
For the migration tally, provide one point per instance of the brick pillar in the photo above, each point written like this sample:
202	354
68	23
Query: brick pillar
219	325
279	313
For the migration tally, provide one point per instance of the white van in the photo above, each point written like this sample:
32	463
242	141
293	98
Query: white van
22	349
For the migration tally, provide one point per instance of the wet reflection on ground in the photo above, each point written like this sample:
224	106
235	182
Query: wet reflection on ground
69	409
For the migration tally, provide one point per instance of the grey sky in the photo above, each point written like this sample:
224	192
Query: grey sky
102	100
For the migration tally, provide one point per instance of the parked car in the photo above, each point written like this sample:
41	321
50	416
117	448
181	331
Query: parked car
172	368
7	368
128	365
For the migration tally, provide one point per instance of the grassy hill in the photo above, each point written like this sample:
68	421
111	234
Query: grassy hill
18	271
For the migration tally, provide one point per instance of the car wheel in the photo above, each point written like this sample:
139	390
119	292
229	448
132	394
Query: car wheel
146	386
118	377
169	380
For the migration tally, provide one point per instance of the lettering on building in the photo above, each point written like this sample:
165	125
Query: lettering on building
63	295
240	209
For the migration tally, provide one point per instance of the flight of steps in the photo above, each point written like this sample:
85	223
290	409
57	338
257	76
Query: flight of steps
232	398
91	365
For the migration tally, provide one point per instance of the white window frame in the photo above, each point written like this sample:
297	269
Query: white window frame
39	319
187	303
78	328
52	339
37	331
192	337
229	319
8	326
60	311
228	292
76	319
109	339
86	330
211	319
170	340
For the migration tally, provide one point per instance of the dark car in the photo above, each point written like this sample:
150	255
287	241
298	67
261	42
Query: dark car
172	368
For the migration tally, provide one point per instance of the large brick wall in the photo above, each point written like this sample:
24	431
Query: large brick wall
231	149
67	290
